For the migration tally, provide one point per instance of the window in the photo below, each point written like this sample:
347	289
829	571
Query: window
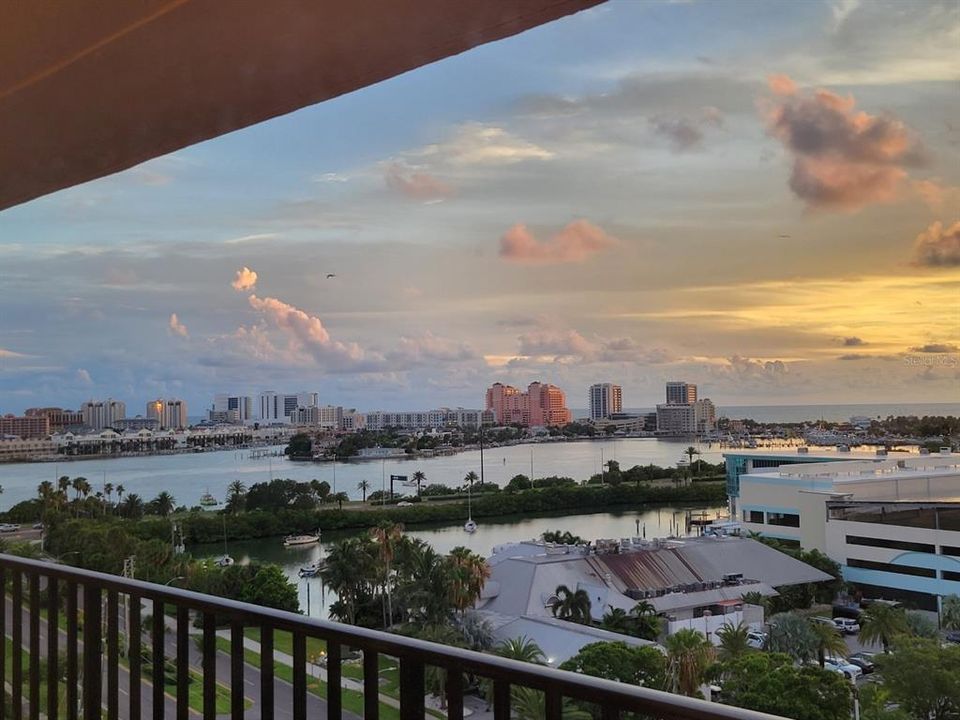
753	516
890	568
950	575
891	544
784	519
950	550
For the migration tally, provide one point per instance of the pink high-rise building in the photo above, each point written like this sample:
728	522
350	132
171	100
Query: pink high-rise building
541	404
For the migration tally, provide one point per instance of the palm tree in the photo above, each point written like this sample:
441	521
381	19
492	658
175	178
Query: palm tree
618	621
120	491
829	641
418	477
108	491
881	623
790	633
387	535
340	498
164	503
530	704
469	573
689	654
950	612
470	478
363	486
755	598
572	605
76	484
63	483
646	623
521	648
132	507
733	641
690	452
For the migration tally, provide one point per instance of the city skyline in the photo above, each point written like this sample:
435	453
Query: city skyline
758	198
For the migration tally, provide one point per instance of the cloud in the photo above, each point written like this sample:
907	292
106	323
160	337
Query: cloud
754	368
938	246
562	343
256	237
83	377
416	185
843	159
686	132
428	348
175	327
576	242
853	341
479	144
840	11
854	356
936	348
329	177
245	279
11	354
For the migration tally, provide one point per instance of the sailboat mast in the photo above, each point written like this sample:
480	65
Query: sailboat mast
481	452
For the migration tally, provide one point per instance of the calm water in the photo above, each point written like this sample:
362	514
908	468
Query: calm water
188	476
830	413
651	523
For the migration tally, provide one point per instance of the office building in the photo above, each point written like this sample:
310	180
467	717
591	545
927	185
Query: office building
695	418
231	409
100	414
136	424
28	427
170	414
427	419
606	399
274	407
59	418
681	393
541	405
893	525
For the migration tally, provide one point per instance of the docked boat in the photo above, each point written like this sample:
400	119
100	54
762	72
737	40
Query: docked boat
311	570
470	526
304	539
208	500
224	561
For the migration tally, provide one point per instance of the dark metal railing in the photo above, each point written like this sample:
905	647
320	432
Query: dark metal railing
93	658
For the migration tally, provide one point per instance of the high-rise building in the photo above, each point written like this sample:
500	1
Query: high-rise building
59	418
170	414
277	407
693	418
681	393
606	399
100	414
233	409
541	405
27	427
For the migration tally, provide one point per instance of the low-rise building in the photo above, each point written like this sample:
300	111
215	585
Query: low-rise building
16	449
27	427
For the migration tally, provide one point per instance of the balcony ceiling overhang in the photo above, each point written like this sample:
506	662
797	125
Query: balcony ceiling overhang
88	89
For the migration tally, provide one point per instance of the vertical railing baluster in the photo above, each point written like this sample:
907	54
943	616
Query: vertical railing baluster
92	674
501	699
134	654
411	688
609	712
454	693
3	643
299	676
17	655
236	669
553	702
73	633
113	656
209	665
266	672
34	666
371	685
53	648
334	689
158	641
183	662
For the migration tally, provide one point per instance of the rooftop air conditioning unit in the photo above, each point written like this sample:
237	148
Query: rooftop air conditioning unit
881	452
944	451
803	450
843	448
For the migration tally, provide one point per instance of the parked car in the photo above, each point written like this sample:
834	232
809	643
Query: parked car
953	636
756	639
841	610
38	526
847	626
840	665
864	661
404	503
8	527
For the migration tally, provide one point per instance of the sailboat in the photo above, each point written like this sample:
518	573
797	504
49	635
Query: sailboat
470	526
225	560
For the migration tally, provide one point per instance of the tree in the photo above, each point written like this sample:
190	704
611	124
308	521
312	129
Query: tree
387	535
558	537
236	496
755	598
300	446
529	704
521	648
120	491
829	641
881	623
920	625
419	477
132	507
734	641
164	503
341	498
469	573
771	683
618	621
689	654
644	666
470	478
950	612
572	605
517	483
875	701
923	677
646	623
791	634
363	486
690	452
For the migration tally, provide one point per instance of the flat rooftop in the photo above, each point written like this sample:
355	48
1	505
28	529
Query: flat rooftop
821	453
857	471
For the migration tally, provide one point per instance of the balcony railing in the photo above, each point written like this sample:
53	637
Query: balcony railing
41	596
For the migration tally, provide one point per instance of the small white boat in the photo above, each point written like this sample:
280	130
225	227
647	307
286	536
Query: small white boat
305	539
311	570
470	526
224	561
208	500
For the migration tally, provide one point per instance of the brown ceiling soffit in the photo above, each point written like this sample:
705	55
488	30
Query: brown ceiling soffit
88	89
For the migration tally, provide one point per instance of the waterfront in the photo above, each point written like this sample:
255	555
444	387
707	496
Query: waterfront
657	522
190	475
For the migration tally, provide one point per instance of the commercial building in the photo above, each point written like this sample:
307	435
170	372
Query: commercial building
170	414
27	427
681	393
274	407
695	418
16	449
606	399
893	525
60	419
231	409
427	419
100	414
542	404
135	424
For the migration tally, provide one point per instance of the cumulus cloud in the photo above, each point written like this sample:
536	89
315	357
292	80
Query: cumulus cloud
853	341
416	185
754	368
686	132
244	280
576	242
936	348
83	377
938	246
175	327
843	158
428	348
479	144
562	343
854	356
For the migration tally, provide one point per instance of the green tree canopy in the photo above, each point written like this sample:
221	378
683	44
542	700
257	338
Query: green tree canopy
923	677
645	666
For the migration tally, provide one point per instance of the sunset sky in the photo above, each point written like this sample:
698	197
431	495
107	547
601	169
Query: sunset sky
759	197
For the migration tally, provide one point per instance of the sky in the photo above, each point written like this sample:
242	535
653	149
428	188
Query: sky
759	197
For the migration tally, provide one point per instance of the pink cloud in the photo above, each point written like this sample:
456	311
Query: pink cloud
175	327
555	342
416	185
576	242
244	280
938	246
842	158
